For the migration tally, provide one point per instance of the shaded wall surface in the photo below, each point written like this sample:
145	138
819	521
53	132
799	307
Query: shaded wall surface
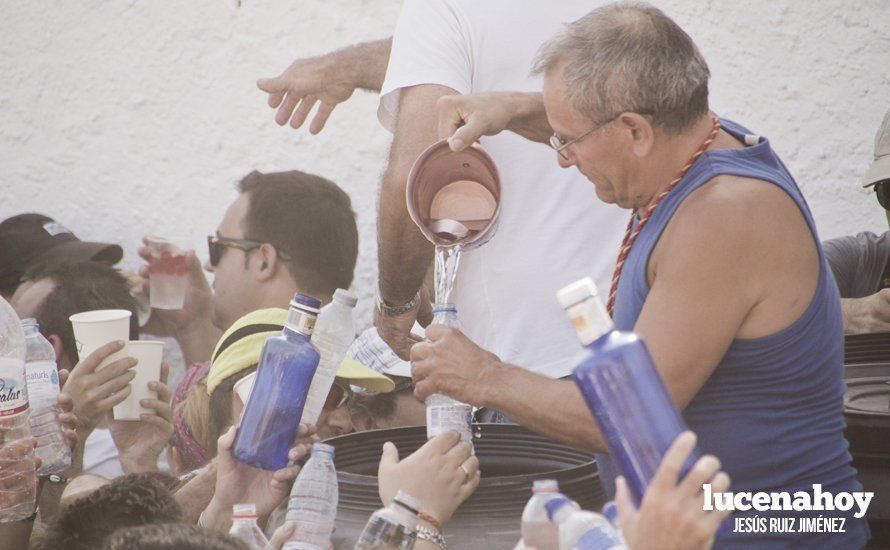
126	118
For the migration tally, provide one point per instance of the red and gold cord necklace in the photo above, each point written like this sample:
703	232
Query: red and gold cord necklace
630	237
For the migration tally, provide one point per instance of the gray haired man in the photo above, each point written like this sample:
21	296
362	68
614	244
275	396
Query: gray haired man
721	273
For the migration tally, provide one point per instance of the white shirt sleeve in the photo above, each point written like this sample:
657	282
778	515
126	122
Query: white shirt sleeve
430	45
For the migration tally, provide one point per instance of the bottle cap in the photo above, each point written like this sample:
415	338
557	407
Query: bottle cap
244	511
576	292
545	486
447	308
407	501
555	504
30	323
323	448
306	303
345	297
611	512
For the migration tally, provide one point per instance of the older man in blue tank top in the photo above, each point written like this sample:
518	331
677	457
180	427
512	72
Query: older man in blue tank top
724	277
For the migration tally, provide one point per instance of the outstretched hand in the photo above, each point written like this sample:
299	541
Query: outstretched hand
442	474
670	516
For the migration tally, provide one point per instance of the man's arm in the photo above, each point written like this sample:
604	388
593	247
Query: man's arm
329	79
195	495
404	254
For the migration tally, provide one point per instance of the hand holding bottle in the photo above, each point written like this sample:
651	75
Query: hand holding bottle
451	364
670	515
442	474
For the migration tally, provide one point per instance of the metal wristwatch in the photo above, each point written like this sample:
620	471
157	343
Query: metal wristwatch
394	311
425	533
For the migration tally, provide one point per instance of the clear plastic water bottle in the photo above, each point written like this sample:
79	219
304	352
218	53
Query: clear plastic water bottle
333	333
442	412
43	391
582	530
244	527
537	530
391	527
623	390
272	413
18	469
313	501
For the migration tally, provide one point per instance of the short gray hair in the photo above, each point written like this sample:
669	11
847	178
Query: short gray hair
629	56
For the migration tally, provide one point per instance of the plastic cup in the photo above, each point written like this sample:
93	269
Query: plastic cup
94	329
148	355
167	274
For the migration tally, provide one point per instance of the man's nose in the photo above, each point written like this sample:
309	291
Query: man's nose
568	161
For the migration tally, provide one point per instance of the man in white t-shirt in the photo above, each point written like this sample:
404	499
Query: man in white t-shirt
552	230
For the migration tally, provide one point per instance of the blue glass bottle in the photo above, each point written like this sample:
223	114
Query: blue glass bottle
622	388
272	413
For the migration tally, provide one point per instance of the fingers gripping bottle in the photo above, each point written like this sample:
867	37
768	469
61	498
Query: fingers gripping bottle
18	472
442	412
332	335
622	388
43	391
537	530
313	501
391	527
245	528
272	413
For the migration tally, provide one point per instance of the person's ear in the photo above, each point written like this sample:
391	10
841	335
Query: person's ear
62	359
640	132
267	262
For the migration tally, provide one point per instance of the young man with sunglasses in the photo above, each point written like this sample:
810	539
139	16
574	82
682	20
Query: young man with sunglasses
861	263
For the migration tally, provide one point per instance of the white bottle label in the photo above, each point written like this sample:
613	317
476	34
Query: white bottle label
13	388
457	417
43	379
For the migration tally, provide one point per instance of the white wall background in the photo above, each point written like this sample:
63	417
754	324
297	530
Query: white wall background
121	118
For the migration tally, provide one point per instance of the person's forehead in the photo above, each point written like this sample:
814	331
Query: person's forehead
560	114
30	295
232	223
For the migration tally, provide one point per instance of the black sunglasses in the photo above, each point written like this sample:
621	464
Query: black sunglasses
216	246
882	190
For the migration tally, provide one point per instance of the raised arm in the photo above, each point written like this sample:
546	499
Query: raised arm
328	79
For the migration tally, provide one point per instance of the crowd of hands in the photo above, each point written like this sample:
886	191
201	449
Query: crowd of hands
669	516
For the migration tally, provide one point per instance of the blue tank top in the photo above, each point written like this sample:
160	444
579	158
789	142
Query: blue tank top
772	410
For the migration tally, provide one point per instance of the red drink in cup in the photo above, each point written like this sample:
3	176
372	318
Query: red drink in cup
168	274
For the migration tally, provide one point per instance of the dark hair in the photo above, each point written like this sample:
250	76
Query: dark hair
81	286
171	536
310	220
130	500
380	406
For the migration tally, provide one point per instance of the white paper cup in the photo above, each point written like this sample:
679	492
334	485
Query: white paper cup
242	390
94	329
148	355
167	274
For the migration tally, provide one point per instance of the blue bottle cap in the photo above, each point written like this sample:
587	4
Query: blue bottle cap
323	448
304	301
555	504
611	512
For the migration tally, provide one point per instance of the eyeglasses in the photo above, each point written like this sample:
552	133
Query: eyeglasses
216	246
882	190
338	396
559	144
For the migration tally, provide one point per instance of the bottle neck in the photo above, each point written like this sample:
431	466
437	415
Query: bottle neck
300	322
590	320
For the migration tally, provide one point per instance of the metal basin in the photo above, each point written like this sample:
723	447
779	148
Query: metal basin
511	458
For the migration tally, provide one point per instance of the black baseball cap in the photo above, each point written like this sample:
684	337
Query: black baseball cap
28	240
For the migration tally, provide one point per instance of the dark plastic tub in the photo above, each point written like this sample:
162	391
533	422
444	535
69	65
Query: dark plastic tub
511	458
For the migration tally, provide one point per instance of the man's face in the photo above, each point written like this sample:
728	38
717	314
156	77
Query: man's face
335	420
233	286
594	155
